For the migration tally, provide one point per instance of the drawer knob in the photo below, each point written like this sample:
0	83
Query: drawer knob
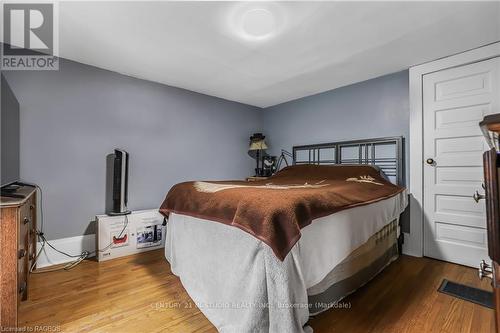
26	220
22	288
21	253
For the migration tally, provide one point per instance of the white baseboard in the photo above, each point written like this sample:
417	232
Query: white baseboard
71	245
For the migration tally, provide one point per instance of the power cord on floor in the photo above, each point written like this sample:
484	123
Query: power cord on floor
84	255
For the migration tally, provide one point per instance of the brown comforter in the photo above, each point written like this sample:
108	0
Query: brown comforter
274	210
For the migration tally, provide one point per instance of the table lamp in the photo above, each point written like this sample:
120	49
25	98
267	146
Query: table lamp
257	144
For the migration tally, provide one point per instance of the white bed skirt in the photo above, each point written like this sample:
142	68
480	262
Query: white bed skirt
239	284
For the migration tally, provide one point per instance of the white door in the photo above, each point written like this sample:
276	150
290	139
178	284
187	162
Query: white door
455	100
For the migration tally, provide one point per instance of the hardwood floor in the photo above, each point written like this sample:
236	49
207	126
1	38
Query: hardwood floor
139	294
403	298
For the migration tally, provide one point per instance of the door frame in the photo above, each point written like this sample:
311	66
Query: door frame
414	241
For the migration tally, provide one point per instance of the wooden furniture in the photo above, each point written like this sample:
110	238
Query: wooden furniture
17	252
491	163
255	178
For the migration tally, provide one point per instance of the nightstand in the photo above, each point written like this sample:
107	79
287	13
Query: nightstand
255	178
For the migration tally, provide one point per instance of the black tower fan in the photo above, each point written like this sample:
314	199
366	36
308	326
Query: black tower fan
120	183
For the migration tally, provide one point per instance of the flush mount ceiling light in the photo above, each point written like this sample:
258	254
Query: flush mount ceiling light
256	21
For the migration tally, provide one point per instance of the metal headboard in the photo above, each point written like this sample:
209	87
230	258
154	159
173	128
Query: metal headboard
386	153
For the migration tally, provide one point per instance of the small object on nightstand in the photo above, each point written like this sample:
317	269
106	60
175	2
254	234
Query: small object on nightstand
268	165
253	178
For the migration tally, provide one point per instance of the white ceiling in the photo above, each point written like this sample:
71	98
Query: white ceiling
319	45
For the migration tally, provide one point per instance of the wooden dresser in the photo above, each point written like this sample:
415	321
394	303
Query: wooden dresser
491	130
17	252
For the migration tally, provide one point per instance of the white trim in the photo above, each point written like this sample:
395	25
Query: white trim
414	240
70	245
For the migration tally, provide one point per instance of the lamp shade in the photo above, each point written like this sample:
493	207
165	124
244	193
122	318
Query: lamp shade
257	145
257	142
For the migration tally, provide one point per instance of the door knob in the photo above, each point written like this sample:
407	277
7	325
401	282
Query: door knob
430	161
478	196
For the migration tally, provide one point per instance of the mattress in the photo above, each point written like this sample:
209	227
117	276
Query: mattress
344	232
362	265
226	270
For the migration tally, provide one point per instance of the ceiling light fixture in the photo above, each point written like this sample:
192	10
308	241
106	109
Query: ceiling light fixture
256	21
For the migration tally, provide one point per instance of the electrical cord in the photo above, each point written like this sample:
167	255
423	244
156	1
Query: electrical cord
41	237
84	255
41	206
68	266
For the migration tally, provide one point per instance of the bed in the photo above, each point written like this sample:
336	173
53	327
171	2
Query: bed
245	280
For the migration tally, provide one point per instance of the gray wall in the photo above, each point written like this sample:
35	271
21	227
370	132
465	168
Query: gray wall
369	109
9	134
72	118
